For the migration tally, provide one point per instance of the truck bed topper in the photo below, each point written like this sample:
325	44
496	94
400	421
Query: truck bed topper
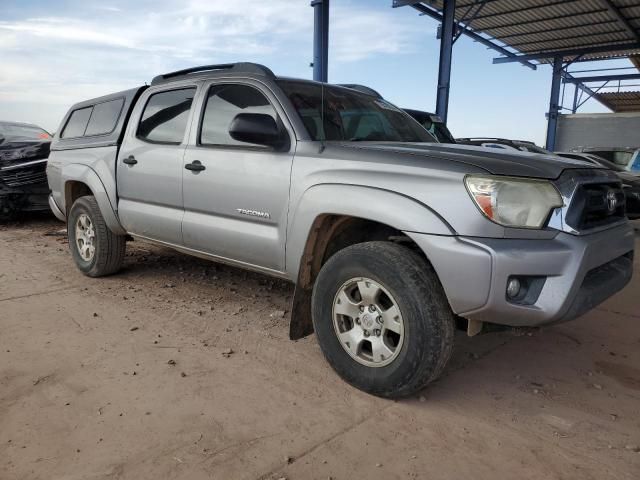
99	122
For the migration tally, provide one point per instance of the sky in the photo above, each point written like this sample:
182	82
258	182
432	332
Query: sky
54	53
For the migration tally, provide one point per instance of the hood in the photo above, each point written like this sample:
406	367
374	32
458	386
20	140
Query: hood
20	150
493	160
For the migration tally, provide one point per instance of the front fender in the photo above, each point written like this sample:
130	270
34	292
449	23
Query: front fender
384	206
77	172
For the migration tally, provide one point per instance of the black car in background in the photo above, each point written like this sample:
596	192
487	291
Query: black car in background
627	158
433	123
630	180
488	142
24	149
430	121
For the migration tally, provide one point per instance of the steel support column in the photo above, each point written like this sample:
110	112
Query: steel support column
446	50
320	39
554	103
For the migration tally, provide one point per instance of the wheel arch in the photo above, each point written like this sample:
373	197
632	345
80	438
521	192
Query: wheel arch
80	180
331	217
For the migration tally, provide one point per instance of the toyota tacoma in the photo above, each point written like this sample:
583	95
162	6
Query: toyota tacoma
392	239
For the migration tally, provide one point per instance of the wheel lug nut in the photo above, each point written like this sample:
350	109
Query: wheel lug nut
357	321
377	332
379	320
366	333
362	308
372	308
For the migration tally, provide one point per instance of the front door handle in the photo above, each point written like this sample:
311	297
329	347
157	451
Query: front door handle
195	166
130	160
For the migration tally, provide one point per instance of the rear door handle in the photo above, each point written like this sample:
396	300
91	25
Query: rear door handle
130	160
195	166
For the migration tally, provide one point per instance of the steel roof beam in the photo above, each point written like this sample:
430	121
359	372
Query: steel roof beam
615	11
602	78
569	52
471	34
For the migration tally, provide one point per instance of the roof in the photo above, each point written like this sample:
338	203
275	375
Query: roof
20	124
539	30
620	101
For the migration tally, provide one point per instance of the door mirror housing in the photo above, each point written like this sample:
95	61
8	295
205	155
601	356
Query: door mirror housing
260	129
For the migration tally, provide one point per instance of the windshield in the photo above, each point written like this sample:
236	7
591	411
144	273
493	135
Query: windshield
618	157
350	115
606	163
13	131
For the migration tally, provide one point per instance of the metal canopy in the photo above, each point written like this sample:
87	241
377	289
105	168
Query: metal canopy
620	101
531	32
542	30
535	32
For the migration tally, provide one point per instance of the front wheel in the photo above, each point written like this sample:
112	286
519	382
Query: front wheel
96	250
382	319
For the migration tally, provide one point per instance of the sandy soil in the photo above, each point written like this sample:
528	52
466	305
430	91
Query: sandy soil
129	377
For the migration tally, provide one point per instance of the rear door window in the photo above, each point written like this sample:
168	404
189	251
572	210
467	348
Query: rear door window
104	117
77	123
165	116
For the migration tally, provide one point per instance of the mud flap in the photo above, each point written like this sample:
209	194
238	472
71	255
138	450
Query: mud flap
301	324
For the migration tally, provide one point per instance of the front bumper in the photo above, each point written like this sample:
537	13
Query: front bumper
577	272
56	210
23	186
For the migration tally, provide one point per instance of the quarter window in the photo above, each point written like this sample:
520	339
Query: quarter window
77	123
165	116
104	117
223	103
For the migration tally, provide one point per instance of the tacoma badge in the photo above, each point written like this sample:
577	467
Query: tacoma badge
253	213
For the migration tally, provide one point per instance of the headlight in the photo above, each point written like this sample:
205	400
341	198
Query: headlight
512	201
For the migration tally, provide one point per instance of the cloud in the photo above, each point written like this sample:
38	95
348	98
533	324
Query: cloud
52	61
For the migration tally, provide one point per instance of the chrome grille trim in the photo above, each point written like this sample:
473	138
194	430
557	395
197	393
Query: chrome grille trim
568	184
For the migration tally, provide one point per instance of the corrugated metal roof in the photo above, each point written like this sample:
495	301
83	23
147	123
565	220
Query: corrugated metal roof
541	26
620	101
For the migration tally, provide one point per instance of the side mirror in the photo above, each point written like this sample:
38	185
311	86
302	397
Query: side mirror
258	128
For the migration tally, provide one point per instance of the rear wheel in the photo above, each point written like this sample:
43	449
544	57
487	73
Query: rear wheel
96	250
382	319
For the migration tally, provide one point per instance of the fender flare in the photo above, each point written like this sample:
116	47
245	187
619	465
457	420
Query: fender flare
391	208
76	172
394	209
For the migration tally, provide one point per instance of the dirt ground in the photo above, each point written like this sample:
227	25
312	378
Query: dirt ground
130	377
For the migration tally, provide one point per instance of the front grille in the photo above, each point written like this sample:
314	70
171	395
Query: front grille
22	177
596	205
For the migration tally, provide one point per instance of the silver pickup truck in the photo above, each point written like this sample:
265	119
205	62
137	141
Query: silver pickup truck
392	239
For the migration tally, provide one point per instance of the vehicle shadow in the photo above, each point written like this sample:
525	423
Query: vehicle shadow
22	219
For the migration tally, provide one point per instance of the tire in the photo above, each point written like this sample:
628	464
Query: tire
108	248
405	279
